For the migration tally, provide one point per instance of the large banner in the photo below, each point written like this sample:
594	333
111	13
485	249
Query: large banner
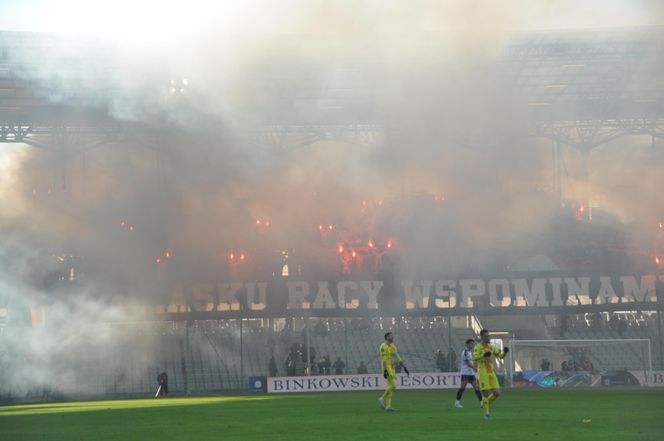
445	380
545	293
550	379
657	379
331	383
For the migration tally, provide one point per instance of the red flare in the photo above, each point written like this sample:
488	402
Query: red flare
370	243
158	260
168	254
329	227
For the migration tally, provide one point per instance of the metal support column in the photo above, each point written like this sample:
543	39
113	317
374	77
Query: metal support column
346	344
585	169
186	357
557	170
659	336
308	336
241	352
449	336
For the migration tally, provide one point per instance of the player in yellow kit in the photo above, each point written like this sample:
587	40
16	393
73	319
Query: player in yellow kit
484	357
388	354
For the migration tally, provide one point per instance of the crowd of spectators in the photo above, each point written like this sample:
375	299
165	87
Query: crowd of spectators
445	364
295	363
577	362
619	323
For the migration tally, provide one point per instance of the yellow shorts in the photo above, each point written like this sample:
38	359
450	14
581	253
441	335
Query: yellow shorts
489	381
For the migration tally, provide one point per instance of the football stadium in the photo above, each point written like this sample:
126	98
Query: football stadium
331	220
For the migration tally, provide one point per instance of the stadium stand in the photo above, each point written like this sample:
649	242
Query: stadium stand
208	356
214	361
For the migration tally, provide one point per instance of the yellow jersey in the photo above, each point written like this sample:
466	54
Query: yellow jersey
388	353
485	366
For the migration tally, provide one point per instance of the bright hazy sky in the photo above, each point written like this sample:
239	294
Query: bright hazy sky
139	18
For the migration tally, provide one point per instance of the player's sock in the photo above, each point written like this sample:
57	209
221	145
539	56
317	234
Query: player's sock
479	394
459	393
491	398
388	397
485	405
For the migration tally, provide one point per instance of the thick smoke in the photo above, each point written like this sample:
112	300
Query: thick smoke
454	178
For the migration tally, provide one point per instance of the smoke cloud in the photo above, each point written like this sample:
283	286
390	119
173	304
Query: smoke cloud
451	174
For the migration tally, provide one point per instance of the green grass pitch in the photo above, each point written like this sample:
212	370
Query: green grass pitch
568	415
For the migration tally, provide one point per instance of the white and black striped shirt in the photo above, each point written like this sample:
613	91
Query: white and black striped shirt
467	362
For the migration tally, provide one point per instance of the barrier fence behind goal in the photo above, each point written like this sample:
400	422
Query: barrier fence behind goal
569	363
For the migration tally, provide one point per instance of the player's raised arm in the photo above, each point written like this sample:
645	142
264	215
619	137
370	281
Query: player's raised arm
500	354
479	353
495	351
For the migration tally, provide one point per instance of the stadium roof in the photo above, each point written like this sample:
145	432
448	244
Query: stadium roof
584	87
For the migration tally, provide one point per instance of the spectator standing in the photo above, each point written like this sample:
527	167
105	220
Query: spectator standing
339	366
162	381
441	361
272	367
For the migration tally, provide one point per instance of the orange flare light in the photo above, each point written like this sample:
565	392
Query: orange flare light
168	254
231	256
657	260
158	260
258	221
353	254
370	243
389	244
329	227
320	227
242	256
340	249
660	225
